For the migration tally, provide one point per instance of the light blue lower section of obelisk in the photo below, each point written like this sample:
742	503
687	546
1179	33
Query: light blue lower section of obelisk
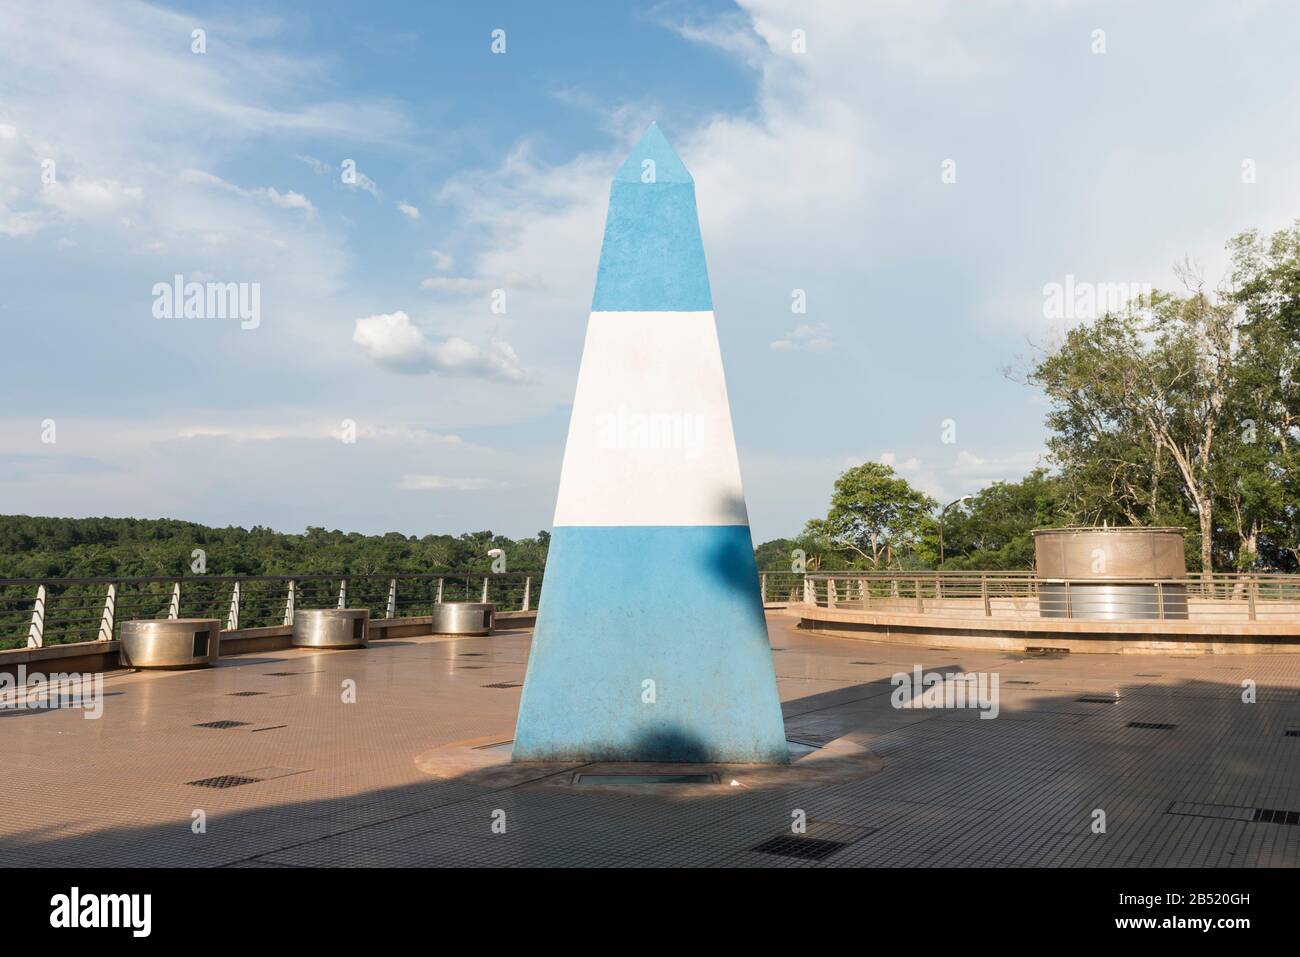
650	646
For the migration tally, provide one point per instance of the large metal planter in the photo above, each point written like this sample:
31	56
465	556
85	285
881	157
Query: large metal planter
331	627
1110	574
170	643
463	618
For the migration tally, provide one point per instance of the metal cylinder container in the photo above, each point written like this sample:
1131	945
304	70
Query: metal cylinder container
170	643
463	618
331	627
1111	574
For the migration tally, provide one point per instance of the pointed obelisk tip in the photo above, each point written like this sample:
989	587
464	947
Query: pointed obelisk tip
653	161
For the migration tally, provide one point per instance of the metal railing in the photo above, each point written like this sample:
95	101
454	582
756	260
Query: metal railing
37	612
1221	597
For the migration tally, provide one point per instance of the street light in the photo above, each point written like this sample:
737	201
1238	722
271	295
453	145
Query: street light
942	513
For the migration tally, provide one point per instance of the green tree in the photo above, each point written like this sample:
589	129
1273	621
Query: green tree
875	514
1263	494
994	529
1139	401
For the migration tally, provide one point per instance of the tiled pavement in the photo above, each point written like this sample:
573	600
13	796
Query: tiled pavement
339	784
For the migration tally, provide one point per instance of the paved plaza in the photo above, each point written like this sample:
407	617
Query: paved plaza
1185	773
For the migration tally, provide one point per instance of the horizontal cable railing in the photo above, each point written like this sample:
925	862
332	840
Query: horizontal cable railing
1222	597
37	612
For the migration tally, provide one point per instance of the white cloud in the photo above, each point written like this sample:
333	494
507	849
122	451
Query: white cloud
441	261
428	483
409	211
394	342
804	338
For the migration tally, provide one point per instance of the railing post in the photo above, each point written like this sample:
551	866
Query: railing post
36	634
485	590
809	591
1160	601
864	595
832	595
920	606
984	596
528	592
762	587
391	611
232	619
110	610
343	593
174	606
439	591
1252	587
288	604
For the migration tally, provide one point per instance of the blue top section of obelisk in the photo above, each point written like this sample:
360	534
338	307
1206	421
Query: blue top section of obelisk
652	258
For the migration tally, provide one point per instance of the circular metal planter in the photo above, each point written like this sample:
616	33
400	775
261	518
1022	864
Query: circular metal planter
170	643
331	627
1098	573
463	618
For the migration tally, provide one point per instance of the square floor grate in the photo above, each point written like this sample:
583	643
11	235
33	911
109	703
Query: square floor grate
243	694
1090	699
221	724
804	848
224	781
503	684
1152	725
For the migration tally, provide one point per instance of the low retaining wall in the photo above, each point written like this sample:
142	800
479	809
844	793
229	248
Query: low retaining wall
90	656
1068	634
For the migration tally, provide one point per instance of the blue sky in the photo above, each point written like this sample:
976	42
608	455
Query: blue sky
821	171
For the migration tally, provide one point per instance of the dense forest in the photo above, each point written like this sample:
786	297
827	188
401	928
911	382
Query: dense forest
32	547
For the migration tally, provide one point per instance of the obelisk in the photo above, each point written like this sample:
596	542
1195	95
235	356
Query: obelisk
650	642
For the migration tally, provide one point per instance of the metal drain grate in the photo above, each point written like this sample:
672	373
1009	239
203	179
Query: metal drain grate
1234	812
281	674
1291	733
1264	815
1144	675
1152	725
224	781
1021	682
864	662
243	694
1095	700
222	724
804	848
503	684
474	654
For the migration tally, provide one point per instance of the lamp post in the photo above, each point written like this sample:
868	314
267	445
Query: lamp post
942	513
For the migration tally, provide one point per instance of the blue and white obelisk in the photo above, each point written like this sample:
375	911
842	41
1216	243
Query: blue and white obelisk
650	642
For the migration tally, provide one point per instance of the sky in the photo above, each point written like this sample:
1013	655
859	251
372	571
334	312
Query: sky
415	193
